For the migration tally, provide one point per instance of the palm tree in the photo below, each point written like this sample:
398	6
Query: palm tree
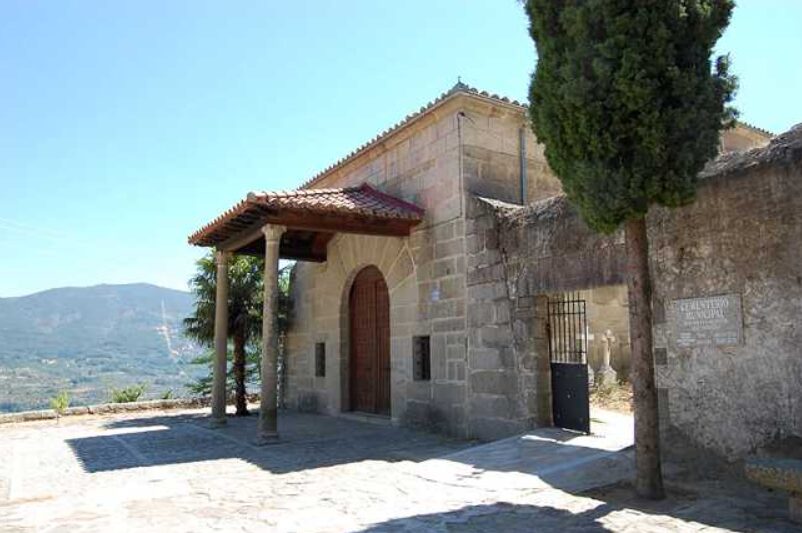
244	317
285	279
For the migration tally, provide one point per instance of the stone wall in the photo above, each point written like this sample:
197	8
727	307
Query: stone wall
741	236
425	274
508	385
743	137
492	155
468	144
419	163
517	257
474	275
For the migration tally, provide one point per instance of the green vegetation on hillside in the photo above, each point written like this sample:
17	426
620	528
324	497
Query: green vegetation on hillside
86	341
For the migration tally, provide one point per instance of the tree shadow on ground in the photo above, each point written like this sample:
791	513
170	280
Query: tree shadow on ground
505	517
307	441
612	508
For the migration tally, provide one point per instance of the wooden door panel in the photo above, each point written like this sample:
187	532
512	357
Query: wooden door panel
362	338
382	348
369	310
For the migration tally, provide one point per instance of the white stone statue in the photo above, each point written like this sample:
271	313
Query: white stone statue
607	376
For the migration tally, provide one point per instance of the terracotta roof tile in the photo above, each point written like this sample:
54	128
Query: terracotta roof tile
362	200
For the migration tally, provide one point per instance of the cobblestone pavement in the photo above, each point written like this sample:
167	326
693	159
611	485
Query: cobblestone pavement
170	472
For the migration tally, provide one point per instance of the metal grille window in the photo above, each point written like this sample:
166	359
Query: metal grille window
320	359
421	358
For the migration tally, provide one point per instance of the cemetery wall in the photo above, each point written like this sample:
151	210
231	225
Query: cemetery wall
727	275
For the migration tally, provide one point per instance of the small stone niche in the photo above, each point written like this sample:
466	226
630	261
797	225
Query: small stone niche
320	359
421	358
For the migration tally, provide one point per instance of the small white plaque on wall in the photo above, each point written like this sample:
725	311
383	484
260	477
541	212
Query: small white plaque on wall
708	321
434	296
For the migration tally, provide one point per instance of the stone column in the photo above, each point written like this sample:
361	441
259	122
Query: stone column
220	340
268	423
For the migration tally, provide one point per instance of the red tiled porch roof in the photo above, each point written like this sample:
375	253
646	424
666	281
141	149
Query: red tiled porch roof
360	209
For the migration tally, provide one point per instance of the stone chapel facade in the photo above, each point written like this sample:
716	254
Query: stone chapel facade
417	328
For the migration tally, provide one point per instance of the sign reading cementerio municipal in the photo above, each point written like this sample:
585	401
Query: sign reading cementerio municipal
709	321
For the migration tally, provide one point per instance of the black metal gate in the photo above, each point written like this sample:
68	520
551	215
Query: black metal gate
568	354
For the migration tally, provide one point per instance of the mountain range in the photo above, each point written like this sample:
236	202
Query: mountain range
89	340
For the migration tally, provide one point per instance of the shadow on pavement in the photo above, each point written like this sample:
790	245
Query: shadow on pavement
307	441
616	509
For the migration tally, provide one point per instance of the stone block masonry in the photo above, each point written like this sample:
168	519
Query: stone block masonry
740	237
471	282
425	274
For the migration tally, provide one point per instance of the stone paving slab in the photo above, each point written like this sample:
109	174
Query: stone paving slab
170	472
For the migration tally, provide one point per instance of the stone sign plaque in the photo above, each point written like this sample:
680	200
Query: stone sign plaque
710	321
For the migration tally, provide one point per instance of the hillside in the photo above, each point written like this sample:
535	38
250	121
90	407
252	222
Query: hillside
90	339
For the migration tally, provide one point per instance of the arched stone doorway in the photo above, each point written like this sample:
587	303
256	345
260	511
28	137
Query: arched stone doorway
369	335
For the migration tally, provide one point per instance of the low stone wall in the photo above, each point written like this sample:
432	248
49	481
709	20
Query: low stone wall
105	408
741	237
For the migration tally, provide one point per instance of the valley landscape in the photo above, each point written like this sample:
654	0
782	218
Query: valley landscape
90	340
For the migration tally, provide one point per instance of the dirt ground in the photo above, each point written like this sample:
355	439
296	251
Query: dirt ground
617	398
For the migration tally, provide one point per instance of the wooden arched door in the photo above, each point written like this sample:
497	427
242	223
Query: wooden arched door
369	309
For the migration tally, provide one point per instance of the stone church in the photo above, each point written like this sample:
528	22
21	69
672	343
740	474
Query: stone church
401	302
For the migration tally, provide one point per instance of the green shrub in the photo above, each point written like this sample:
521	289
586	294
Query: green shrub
168	395
60	402
129	394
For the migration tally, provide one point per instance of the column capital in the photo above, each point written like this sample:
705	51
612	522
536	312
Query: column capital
273	232
222	257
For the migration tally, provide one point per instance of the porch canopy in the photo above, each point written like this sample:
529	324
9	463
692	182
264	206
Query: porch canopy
311	218
294	225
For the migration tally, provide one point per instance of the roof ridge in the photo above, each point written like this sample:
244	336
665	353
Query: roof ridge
257	195
457	88
755	128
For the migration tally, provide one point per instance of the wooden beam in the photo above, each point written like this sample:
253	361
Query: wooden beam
338	223
243	238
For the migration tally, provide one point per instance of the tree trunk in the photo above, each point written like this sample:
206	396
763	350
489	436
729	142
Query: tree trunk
648	475
239	376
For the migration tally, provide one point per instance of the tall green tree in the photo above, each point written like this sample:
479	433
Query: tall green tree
245	323
284	319
630	106
203	385
244	314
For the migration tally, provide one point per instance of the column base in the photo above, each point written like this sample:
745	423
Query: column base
217	423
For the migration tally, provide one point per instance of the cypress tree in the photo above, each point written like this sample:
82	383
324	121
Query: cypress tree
630	105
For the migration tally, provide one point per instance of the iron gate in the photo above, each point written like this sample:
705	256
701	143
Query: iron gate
568	354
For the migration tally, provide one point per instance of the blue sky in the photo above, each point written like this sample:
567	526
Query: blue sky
126	125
